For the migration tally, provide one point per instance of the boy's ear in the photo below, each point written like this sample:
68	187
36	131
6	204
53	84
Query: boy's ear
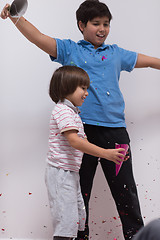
81	26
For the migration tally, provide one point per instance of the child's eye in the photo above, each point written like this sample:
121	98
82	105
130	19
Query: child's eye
106	25
84	88
95	24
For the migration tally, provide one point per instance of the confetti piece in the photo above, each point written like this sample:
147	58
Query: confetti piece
103	58
73	64
0	194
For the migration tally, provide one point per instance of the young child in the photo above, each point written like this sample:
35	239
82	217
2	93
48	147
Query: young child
67	142
103	110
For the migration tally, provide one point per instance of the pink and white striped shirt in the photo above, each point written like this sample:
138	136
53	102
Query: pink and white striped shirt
60	153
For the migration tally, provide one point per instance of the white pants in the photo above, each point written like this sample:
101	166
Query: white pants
66	202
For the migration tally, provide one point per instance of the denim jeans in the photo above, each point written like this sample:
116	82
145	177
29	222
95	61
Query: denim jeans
126	198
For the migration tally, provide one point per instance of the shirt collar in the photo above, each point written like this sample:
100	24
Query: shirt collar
69	104
90	45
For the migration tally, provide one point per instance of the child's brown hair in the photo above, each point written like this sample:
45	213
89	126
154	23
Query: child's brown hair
65	80
90	9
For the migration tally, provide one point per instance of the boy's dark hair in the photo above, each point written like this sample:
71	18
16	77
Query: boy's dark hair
65	80
90	9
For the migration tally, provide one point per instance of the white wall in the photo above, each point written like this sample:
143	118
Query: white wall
25	108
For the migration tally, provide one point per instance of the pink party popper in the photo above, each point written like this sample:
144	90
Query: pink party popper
125	146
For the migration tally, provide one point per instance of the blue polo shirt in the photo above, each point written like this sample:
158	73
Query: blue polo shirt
104	106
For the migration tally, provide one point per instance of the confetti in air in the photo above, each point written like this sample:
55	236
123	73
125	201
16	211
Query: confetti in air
103	221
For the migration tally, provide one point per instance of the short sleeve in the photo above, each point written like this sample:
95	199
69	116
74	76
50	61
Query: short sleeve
64	118
64	48
128	59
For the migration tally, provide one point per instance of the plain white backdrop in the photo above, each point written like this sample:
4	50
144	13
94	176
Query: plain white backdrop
25	109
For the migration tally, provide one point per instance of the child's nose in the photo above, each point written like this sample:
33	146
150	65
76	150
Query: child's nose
101	27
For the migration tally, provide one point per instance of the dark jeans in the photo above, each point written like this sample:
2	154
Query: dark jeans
122	187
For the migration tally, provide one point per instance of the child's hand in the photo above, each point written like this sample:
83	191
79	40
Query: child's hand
5	12
116	155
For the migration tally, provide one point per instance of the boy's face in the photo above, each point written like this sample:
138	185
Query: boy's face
79	95
96	30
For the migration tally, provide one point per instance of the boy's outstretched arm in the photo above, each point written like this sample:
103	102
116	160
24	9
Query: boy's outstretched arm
146	61
83	145
44	42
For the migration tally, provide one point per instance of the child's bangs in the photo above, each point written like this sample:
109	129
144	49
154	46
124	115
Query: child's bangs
84	81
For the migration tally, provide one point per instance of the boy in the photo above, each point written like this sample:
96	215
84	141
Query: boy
67	142
103	110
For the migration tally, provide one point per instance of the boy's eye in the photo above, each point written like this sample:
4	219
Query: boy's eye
84	88
95	24
106	25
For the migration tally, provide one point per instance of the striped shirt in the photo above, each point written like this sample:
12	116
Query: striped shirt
61	154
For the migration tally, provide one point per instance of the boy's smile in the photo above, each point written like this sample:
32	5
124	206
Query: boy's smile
79	95
96	30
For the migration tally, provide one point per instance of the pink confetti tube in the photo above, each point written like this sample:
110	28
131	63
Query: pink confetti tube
125	146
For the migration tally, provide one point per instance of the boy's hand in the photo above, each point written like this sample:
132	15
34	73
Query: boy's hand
5	12
115	155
